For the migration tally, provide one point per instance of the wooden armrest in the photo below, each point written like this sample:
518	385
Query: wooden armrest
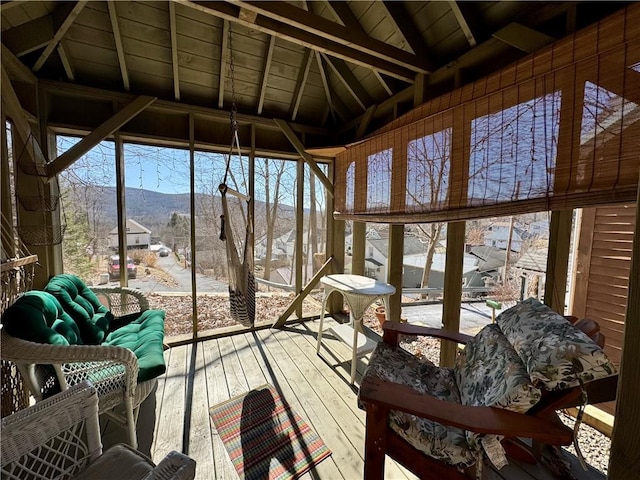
393	329
477	419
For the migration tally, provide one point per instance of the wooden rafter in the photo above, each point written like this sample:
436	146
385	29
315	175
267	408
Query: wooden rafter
15	68
223	61
174	50
384	83
343	13
464	22
349	80
115	28
66	63
303	74
325	84
366	120
60	33
297	144
100	133
398	15
265	72
298	17
13	109
305	38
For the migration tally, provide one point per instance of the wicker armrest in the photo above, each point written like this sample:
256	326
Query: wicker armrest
393	329
174	466
122	300
95	359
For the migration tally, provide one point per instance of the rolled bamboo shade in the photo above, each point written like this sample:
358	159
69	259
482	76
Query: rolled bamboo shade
559	129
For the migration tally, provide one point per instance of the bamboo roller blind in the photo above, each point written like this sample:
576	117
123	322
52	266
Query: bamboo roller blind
558	129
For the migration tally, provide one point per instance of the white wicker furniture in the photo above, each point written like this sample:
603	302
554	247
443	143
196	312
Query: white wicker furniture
359	292
112	370
60	438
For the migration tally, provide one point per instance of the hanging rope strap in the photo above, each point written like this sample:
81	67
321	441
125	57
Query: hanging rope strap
242	290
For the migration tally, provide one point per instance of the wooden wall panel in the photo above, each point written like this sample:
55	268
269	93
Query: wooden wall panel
602	279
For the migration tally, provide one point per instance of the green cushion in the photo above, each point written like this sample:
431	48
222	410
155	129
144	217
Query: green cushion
82	305
144	336
38	317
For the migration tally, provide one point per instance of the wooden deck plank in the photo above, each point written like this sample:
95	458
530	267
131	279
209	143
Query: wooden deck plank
337	396
199	432
201	375
170	423
217	391
280	369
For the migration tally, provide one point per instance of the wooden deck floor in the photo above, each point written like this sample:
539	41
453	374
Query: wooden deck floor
206	373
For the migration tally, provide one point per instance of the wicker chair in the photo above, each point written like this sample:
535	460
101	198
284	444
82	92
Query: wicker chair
113	370
59	438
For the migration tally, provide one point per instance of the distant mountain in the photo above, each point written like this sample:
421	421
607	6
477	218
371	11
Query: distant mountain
151	209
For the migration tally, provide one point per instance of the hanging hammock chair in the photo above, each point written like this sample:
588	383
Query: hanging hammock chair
242	289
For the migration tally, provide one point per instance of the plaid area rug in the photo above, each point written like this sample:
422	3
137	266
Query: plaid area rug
265	438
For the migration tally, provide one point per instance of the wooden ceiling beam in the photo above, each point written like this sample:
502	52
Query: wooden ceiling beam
265	72
343	13
15	68
325	84
384	83
403	24
223	61
305	38
100	133
68	90
464	22
117	38
297	144
174	50
13	110
66	63
365	122
349	80
300	18
30	36
60	33
303	74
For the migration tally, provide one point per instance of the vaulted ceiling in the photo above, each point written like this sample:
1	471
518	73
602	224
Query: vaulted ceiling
347	66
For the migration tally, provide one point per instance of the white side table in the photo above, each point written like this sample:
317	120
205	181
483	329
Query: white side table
359	293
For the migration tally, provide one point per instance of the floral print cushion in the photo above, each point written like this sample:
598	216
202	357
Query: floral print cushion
490	373
555	352
441	442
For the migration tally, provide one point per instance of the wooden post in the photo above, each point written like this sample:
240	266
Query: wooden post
394	270
8	245
122	211
192	217
299	231
452	289
624	461
358	247
335	244
558	260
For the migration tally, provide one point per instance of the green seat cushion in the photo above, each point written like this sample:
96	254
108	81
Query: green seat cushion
82	305
144	336
38	317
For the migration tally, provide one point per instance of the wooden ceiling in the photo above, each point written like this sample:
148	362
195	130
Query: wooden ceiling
348	67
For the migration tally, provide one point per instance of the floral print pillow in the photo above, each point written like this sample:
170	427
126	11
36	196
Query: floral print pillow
555	352
489	372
